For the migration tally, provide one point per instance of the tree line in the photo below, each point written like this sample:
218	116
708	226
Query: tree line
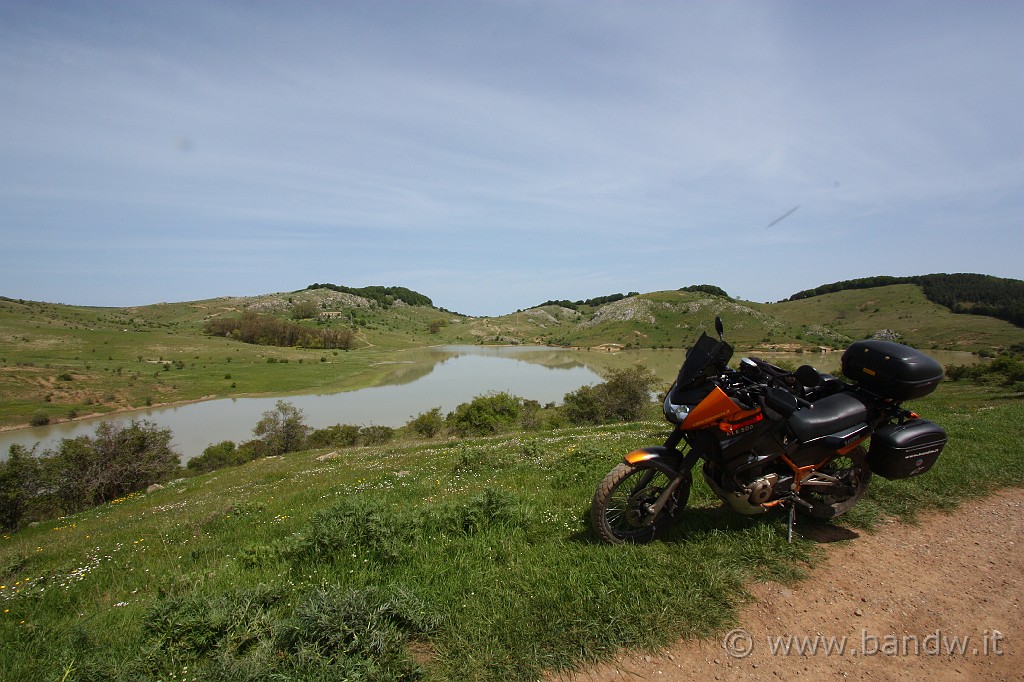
267	330
707	289
970	293
591	302
385	297
611	298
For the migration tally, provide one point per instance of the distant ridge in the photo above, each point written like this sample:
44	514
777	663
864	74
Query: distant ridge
970	293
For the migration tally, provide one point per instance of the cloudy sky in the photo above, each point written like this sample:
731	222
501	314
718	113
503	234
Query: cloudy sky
495	154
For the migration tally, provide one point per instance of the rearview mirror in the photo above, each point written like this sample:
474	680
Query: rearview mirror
719	327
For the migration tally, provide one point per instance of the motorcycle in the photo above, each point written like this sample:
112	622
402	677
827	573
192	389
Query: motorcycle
772	439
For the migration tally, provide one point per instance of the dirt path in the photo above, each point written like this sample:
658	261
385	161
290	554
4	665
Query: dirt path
941	600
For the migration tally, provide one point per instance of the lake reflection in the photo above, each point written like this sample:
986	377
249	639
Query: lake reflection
441	377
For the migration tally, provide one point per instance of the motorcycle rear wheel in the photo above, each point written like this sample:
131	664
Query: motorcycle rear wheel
852	469
617	512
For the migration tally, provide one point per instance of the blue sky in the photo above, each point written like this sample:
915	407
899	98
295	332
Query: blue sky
493	155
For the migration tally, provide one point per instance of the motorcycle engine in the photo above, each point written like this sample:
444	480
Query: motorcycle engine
761	489
746	491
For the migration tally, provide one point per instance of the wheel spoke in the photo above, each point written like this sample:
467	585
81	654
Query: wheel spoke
619	511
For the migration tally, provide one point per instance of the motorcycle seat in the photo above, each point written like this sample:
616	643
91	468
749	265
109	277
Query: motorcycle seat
828	415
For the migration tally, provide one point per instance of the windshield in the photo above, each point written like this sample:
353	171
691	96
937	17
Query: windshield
699	358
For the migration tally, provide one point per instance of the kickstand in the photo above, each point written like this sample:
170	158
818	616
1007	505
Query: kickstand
792	522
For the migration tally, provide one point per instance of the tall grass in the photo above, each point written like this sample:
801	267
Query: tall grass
467	560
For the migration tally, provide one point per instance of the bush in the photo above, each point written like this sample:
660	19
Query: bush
585	405
622	397
376	435
40	418
485	415
337	436
223	454
1003	369
428	424
530	417
19	484
119	460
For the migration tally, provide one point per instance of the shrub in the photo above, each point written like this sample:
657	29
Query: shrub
337	436
584	406
118	460
40	418
529	417
428	424
376	435
19	483
485	415
622	397
218	456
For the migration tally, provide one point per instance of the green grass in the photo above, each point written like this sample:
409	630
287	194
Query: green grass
123	358
115	358
437	561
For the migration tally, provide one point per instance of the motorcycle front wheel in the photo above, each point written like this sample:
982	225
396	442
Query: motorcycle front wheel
851	470
620	510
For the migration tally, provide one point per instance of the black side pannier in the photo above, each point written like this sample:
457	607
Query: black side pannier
908	449
891	370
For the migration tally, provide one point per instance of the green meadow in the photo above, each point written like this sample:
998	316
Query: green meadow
435	560
61	362
432	559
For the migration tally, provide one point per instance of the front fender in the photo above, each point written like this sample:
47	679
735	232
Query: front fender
665	459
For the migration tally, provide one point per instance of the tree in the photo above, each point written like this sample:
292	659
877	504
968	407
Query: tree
19	485
118	460
304	310
282	429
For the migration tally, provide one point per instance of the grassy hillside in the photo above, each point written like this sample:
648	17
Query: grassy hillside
438	561
903	308
673	318
59	362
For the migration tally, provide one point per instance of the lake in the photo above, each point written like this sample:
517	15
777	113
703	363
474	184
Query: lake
425	378
441	377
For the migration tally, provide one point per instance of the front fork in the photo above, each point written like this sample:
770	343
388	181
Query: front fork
668	460
654	509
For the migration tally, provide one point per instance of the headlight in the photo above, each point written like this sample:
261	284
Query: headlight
675	413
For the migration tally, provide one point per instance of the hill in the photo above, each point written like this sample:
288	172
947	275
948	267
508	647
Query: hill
962	293
61	362
833	320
